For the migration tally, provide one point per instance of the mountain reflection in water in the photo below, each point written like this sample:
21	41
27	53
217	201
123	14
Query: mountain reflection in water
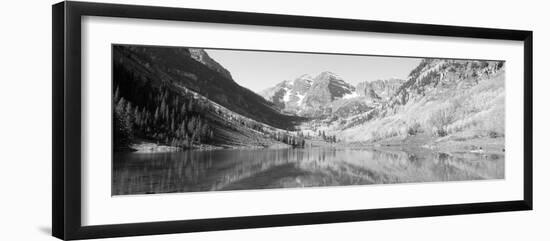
193	171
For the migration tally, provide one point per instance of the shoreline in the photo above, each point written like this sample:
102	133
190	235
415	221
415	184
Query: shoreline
151	147
449	144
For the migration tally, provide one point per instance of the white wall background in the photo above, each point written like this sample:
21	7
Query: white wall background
25	120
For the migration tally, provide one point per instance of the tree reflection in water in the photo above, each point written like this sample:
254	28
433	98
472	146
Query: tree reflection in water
192	171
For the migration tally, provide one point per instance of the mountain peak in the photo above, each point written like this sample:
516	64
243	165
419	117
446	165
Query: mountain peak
328	74
202	56
305	77
306	93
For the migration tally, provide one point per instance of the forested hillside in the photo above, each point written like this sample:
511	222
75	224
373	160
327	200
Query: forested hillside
156	112
183	105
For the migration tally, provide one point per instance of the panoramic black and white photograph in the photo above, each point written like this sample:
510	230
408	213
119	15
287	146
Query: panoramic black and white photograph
189	119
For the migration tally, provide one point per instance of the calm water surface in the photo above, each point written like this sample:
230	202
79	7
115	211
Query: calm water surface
193	171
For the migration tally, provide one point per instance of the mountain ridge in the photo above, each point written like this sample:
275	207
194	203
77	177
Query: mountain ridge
325	91
434	99
170	66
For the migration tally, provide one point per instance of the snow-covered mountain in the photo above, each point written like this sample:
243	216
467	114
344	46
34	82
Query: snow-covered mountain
307	95
326	87
289	95
327	93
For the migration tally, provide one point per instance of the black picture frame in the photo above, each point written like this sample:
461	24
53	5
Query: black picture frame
66	128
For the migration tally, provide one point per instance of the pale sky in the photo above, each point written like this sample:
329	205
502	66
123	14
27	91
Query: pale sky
258	70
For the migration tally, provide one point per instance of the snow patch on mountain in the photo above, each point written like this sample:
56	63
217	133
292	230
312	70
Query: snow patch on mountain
300	99
286	97
350	95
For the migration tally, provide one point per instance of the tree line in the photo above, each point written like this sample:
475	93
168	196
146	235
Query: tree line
287	138
327	138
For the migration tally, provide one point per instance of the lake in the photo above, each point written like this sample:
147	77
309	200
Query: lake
214	170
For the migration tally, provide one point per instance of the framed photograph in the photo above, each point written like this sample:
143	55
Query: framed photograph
171	120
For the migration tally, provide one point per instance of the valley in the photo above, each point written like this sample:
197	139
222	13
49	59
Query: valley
192	102
182	123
